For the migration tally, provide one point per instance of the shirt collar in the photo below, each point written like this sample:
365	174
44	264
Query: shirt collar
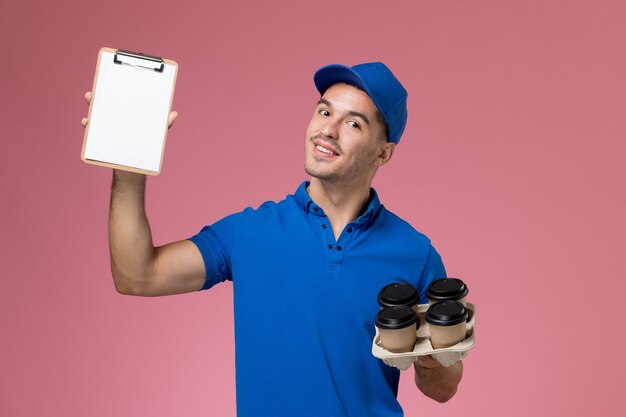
304	201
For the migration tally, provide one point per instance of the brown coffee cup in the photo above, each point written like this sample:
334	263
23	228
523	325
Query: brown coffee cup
397	327
398	294
447	289
447	323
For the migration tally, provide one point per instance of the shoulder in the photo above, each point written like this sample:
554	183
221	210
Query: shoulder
271	206
398	228
270	210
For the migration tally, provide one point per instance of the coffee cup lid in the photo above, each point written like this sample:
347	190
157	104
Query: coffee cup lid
447	289
398	294
446	313
397	317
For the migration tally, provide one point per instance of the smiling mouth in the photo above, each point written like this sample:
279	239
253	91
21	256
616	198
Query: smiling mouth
324	150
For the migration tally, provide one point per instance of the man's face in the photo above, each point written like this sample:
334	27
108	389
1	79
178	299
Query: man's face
345	137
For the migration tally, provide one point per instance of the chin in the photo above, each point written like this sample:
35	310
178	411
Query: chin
320	174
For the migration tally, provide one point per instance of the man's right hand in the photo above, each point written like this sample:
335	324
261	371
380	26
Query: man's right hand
173	115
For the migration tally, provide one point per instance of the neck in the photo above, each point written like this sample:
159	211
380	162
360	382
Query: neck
342	203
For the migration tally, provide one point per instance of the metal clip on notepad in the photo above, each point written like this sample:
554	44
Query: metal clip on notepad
138	59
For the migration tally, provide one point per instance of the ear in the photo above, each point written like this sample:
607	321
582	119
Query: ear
385	153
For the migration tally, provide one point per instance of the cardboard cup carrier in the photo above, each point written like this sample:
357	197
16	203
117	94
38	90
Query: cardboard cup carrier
444	327
446	356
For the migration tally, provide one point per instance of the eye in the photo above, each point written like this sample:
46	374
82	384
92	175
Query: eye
354	124
324	112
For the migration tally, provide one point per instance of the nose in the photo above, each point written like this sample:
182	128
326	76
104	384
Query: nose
330	129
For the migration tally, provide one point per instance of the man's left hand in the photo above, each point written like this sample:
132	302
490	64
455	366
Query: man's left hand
435	380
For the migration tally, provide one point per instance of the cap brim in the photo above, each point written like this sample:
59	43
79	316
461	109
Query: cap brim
336	73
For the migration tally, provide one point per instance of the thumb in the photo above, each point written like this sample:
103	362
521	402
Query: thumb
427	361
173	116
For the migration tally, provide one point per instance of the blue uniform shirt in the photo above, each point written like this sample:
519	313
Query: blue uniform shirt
305	304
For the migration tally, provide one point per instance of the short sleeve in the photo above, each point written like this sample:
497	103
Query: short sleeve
215	243
433	270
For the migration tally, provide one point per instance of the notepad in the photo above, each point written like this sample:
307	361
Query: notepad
129	110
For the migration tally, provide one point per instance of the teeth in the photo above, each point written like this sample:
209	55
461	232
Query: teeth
321	148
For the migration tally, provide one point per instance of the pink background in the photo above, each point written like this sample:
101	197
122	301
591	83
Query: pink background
512	162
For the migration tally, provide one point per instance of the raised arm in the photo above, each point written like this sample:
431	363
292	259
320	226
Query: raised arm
139	268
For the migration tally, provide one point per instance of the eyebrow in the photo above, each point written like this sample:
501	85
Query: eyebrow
351	112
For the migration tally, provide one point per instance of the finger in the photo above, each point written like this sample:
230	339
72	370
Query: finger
172	118
427	361
84	122
88	97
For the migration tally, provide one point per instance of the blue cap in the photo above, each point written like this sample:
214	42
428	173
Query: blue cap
379	83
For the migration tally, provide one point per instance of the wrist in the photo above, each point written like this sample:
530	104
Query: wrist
127	179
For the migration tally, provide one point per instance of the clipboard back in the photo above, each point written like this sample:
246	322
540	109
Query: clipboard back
128	115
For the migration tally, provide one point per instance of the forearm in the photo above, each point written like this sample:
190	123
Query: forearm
439	383
130	239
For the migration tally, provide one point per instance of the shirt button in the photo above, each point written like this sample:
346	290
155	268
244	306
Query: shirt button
323	226
338	247
349	230
315	209
330	246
